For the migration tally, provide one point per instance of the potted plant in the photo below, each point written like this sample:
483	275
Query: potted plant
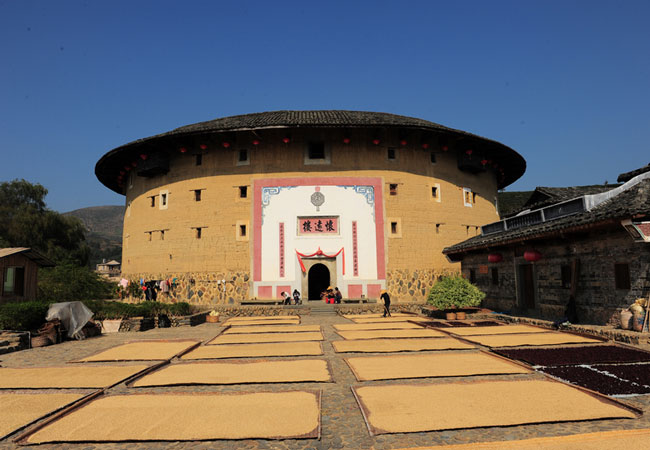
454	292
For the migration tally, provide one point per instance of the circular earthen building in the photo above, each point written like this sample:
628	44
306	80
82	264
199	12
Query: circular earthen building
249	206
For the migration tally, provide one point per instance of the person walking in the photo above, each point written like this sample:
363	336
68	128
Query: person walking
386	298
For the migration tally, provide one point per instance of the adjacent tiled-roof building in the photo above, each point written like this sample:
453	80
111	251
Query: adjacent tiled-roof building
593	247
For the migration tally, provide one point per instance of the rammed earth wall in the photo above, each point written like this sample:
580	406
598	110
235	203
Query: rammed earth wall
597	298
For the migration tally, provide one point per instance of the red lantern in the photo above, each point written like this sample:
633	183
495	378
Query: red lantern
256	142
376	141
444	148
495	257
484	162
226	145
203	146
182	150
286	140
469	152
143	157
403	142
425	146
532	255
127	168
346	140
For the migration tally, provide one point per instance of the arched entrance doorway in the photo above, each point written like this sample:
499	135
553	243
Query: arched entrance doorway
318	279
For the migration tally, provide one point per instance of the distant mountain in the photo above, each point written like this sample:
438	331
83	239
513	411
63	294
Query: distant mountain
103	231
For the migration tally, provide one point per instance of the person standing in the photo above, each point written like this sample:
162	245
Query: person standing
386	298
338	295
296	297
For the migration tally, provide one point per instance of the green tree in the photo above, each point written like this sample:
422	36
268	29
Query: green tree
25	221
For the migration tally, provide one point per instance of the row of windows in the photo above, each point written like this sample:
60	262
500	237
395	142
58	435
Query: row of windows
315	152
469	197
396	228
162	199
241	230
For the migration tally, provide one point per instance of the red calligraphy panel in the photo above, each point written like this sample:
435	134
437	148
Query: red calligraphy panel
318	225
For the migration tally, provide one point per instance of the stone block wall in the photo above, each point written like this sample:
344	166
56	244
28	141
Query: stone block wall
203	288
598	300
404	285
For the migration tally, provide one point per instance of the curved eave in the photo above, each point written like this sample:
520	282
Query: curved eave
111	163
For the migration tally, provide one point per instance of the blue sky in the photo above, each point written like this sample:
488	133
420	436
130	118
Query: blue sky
565	83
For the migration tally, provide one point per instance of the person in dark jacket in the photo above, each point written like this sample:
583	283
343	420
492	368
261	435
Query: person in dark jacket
296	297
338	295
386	298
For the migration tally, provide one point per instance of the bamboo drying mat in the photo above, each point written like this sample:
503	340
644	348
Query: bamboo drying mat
66	377
271	329
142	351
504	329
377	326
19	410
188	417
266	337
603	440
399	345
270	318
516	340
446	364
262	322
391	319
408	408
310	348
284	371
390	334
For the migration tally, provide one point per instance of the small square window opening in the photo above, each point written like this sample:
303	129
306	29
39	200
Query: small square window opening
392	189
242	230
243	191
243	155
198	159
153	201
495	276
391	154
197	195
393	227
316	150
622	276
198	233
162	235
163	199
434	192
432	155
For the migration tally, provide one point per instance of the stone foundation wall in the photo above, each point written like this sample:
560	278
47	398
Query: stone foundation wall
405	285
203	288
12	341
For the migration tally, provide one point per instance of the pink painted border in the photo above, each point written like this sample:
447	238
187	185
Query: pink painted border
375	182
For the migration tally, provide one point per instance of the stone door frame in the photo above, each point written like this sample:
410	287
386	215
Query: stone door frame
330	263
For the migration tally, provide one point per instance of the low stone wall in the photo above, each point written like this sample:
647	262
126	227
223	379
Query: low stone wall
12	341
614	334
370	308
262	310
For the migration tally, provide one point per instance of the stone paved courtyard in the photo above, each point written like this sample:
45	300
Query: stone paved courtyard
342	424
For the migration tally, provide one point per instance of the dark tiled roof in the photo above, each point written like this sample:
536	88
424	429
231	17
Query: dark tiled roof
627	176
544	196
632	202
512	202
512	163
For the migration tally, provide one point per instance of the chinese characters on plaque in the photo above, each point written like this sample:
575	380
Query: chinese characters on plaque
318	225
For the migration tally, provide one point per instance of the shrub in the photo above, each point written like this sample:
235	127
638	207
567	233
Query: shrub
23	316
67	282
454	292
118	310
